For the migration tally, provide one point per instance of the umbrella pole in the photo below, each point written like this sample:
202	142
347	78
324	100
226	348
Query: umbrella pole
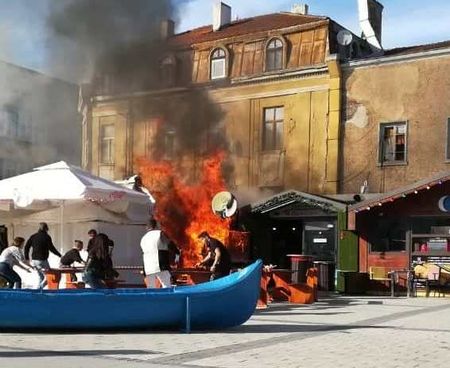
61	229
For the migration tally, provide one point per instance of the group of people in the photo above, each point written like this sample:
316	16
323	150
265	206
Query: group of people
156	248
97	268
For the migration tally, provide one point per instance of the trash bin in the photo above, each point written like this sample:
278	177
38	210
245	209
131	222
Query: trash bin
325	275
299	266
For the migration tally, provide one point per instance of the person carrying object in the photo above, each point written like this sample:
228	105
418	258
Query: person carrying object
42	245
155	251
10	257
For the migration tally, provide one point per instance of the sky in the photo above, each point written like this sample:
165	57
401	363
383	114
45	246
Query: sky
24	40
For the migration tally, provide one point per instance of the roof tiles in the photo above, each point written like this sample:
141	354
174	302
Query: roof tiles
244	27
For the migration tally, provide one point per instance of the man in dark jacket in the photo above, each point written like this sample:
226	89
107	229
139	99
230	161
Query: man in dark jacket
217	254
42	245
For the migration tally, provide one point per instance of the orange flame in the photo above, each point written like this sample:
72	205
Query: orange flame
184	210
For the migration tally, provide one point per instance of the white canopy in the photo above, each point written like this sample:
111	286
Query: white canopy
49	186
72	201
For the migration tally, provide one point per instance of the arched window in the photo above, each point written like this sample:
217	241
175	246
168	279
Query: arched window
274	55
218	64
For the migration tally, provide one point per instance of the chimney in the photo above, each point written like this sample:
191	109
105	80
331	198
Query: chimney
300	9
370	20
221	15
167	29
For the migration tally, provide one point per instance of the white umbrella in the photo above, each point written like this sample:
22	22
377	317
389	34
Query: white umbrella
61	184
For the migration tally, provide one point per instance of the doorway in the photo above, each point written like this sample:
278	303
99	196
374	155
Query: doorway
286	239
319	240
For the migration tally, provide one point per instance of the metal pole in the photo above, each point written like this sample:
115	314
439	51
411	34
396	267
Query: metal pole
188	316
61	227
408	283
392	283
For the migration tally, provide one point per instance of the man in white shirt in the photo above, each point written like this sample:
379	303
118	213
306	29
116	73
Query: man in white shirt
10	257
152	243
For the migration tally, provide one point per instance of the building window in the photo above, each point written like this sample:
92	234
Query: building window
274	55
107	143
9	122
169	144
218	64
13	122
168	69
393	143
447	151
273	128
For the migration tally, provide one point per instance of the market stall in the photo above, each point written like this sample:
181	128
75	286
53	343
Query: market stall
403	229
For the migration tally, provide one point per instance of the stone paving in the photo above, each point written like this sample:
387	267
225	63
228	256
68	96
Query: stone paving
335	332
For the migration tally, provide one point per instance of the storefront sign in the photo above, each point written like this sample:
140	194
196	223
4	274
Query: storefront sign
320	240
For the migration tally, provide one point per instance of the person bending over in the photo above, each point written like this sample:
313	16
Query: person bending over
10	257
218	254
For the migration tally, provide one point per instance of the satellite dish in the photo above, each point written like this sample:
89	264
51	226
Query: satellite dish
22	198
224	204
344	37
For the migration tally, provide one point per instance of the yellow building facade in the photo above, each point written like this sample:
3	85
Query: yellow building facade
275	80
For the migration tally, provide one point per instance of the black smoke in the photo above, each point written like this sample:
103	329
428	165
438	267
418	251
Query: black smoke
101	38
120	49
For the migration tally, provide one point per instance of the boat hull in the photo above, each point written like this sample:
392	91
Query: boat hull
226	302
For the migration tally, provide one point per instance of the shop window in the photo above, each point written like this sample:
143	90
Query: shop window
218	64
107	138
273	128
274	55
393	147
389	235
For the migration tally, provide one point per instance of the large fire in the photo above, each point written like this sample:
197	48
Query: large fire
182	209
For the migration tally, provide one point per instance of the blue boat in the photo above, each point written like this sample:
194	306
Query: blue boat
222	303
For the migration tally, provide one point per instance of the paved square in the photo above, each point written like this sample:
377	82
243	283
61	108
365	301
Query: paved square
335	332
